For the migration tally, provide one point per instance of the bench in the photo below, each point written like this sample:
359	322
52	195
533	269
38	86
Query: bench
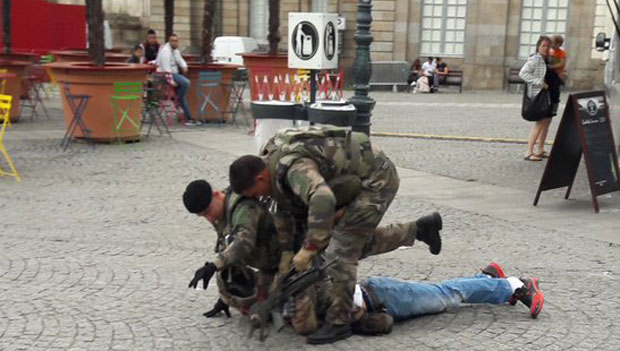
454	78
389	73
513	78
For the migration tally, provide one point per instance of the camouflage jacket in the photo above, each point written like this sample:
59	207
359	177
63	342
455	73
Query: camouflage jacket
301	162
246	234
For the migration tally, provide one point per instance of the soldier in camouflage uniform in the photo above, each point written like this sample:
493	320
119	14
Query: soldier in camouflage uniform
246	236
295	169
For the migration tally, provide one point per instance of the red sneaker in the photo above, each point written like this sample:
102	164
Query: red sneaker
530	295
494	270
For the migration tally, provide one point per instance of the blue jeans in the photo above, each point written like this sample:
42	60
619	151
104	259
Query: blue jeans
407	299
183	86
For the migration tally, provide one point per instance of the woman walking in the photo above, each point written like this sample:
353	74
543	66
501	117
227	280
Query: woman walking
534	72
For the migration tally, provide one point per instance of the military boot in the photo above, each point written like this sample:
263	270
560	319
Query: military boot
373	323
428	231
329	333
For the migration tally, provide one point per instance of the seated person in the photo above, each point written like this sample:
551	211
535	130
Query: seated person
441	72
169	60
415	71
428	69
137	55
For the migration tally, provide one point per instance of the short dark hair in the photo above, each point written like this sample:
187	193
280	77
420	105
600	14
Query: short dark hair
138	46
542	39
151	32
197	196
243	171
172	35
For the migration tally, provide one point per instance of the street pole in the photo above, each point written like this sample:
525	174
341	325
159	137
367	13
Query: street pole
362	69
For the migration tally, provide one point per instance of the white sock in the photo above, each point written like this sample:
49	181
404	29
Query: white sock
515	283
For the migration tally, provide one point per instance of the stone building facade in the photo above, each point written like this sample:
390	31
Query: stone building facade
484	38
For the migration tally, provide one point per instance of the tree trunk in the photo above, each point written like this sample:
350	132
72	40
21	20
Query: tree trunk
6	25
168	17
207	30
274	24
94	15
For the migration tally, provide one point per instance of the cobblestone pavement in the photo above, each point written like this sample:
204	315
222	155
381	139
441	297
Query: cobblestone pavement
96	250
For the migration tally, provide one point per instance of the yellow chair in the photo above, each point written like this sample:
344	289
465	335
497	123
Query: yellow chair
5	109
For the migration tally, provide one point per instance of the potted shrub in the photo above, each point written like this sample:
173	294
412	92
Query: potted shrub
97	78
274	61
14	62
206	64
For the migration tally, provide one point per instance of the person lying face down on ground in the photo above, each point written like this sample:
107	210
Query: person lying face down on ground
379	301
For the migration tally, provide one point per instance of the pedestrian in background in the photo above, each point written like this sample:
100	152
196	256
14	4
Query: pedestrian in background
533	73
137	56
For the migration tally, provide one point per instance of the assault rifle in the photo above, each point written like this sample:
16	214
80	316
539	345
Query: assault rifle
285	287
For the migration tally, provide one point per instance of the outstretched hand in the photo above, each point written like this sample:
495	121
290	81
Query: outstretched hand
220	306
204	273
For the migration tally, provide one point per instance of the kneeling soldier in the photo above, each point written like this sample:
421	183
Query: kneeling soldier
246	234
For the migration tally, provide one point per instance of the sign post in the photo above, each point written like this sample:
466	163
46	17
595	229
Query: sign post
585	129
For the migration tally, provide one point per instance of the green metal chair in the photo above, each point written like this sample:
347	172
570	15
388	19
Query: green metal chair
46	59
127	102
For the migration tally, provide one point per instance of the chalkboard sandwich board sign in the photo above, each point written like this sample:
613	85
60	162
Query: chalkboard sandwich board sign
585	129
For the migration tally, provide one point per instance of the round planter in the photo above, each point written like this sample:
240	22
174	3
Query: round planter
191	58
259	64
193	98
82	56
20	56
98	82
13	86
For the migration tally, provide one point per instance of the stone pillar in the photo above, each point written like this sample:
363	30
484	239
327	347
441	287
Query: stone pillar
485	44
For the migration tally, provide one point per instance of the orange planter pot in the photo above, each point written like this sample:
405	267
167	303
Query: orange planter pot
13	85
98	82
82	56
224	94
258	64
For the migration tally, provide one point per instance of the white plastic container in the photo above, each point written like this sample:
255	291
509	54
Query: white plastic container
226	49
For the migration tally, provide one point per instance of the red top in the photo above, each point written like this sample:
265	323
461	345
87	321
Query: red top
558	54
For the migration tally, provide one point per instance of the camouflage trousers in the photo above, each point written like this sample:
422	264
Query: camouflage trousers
357	236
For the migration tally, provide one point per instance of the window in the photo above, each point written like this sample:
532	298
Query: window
602	23
320	6
540	17
259	19
443	27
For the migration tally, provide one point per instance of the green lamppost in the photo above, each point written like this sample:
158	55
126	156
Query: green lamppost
362	69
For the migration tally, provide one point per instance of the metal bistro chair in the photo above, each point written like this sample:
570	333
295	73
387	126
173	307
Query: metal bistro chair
32	89
170	100
208	91
154	106
235	102
5	110
126	102
50	82
77	104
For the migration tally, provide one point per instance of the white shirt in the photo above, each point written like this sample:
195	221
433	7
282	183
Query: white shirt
169	60
429	68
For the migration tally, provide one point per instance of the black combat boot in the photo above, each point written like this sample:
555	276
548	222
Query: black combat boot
428	231
329	333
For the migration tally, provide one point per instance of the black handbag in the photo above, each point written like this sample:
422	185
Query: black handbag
536	108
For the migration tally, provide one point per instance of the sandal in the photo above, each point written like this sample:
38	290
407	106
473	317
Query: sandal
543	154
532	157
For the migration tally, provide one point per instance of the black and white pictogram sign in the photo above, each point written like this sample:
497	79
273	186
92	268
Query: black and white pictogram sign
305	40
312	40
